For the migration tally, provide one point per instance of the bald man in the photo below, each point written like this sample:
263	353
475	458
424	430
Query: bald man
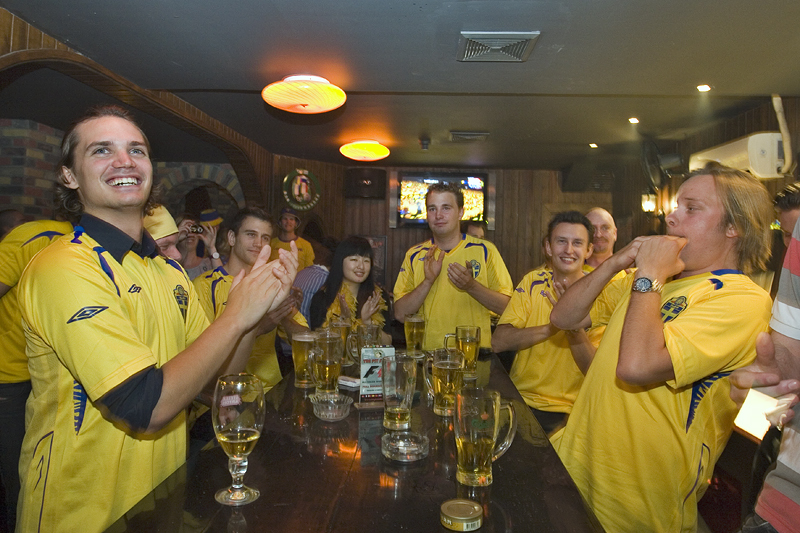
605	235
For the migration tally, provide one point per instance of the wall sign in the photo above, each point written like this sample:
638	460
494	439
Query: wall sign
301	189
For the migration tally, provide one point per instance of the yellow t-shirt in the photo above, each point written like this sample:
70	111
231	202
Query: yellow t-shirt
545	374
446	306
305	253
642	456
16	251
213	289
90	324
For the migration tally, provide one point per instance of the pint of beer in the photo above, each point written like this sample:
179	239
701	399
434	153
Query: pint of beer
301	345
468	340
415	331
445	379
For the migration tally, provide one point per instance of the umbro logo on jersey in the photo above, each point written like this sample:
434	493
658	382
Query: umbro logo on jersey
87	312
135	288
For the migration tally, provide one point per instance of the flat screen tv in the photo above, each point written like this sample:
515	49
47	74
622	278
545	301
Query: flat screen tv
413	186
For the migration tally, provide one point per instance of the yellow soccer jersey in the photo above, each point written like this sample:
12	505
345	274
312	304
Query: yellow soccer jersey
305	253
620	437
213	289
545	374
16	250
90	324
446	307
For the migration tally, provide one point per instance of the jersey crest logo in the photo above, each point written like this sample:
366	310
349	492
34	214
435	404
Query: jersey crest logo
672	308
182	297
135	288
87	312
476	267
78	405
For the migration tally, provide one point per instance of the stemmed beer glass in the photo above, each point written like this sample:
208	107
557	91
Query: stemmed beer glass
238	416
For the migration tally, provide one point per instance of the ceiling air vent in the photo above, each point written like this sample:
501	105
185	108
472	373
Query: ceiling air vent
468	136
496	45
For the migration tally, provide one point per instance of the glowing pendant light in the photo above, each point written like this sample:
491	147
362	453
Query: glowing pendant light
304	94
364	150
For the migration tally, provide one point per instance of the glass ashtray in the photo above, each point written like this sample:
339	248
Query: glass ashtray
404	446
331	407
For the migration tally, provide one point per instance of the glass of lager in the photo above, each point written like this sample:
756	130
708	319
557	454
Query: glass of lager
445	378
362	336
477	426
415	331
238	417
399	375
342	325
301	345
325	361
468	341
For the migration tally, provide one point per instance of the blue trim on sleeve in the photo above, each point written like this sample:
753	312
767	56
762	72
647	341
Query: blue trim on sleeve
49	234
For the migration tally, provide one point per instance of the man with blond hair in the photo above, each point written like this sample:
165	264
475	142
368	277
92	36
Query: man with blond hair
656	392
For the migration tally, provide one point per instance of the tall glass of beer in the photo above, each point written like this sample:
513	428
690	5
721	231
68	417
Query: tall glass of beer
468	340
301	345
477	426
415	331
445	378
399	375
342	325
325	361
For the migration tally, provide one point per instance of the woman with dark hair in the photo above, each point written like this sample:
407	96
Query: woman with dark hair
350	291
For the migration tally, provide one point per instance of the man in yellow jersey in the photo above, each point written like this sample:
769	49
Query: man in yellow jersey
653	414
288	223
250	231
117	342
605	236
16	251
454	279
544	370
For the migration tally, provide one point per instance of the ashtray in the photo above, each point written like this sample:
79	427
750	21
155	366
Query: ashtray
331	407
404	446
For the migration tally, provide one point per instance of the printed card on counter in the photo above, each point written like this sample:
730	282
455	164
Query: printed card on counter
371	391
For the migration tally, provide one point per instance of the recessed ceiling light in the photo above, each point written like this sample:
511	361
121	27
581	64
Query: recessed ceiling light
592	145
633	120
703	88
304	94
364	150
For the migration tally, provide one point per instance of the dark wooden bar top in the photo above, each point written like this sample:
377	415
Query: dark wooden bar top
331	477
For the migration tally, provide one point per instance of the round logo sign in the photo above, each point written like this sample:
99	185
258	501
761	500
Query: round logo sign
301	189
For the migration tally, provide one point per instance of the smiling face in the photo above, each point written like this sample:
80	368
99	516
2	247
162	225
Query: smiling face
111	171
605	231
444	215
568	246
288	223
356	268
698	218
253	235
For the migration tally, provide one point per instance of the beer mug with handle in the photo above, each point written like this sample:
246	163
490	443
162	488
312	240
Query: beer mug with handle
363	335
477	426
467	339
325	361
444	379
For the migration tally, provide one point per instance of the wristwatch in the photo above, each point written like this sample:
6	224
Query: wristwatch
646	285
215	255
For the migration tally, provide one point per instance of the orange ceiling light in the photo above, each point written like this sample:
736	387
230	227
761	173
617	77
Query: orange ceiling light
364	150
304	94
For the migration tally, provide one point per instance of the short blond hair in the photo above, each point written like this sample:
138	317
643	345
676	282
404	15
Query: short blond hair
747	207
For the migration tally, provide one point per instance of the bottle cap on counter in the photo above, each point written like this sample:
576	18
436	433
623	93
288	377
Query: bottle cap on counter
461	515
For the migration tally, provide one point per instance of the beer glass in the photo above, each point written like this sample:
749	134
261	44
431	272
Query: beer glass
415	331
468	341
342	325
399	375
302	343
325	361
445	378
238	417
477	426
362	336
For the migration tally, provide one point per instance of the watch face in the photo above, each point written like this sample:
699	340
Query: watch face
642	285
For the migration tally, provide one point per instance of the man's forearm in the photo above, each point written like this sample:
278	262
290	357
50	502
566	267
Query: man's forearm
582	349
412	302
187	372
573	306
787	355
507	337
492	300
643	355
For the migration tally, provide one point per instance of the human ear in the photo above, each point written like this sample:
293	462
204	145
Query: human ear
68	179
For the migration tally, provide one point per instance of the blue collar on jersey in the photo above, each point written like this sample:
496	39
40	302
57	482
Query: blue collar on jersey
115	241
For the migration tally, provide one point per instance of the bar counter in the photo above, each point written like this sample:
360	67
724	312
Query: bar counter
331	477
